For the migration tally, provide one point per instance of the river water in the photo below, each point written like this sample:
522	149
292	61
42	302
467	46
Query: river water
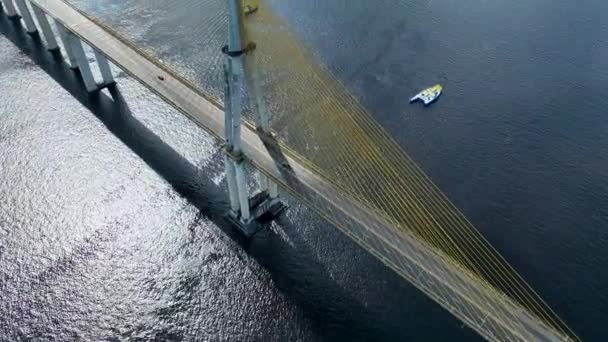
111	213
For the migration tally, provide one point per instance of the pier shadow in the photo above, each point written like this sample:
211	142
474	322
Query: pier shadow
335	314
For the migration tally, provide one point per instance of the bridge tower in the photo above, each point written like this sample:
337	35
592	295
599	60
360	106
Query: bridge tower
245	210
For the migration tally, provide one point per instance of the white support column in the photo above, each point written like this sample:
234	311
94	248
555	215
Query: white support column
9	7
266	184
235	160
243	190
63	35
28	22
83	63
236	76
232	189
263	181
273	189
236	108
263	122
104	68
228	103
229	166
49	36
261	116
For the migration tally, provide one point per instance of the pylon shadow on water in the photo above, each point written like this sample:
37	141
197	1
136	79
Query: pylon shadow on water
335	313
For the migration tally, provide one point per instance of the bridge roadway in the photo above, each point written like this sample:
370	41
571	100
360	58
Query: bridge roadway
489	312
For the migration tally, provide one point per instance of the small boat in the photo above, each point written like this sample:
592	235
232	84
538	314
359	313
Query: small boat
428	95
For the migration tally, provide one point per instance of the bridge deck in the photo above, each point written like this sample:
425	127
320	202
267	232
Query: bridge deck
481	307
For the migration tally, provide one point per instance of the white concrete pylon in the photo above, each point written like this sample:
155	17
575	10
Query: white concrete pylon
235	44
83	63
235	83
229	166
263	181
236	105
235	160
263	122
9	7
273	189
63	35
47	32
104	68
232	189
243	191
24	11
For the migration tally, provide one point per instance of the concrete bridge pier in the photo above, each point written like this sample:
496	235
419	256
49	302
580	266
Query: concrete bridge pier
9	8
261	110
261	119
72	44
45	26
104	69
245	210
83	63
28	21
63	35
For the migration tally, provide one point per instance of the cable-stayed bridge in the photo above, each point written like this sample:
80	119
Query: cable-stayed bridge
325	150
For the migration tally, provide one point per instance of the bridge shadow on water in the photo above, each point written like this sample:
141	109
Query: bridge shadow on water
297	273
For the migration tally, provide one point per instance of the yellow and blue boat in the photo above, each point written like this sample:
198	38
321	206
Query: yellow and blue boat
428	95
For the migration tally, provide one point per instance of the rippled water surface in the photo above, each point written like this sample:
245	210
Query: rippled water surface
111	207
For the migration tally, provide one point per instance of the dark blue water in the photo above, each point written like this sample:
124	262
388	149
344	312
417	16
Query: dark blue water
518	141
111	212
